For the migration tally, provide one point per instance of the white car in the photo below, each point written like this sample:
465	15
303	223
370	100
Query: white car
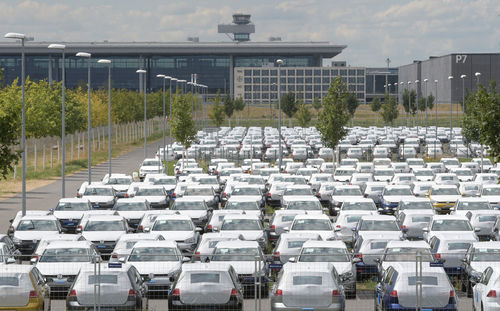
103	231
485	291
179	228
132	209
319	224
449	225
249	226
100	196
32	229
492	194
155	195
126	242
151	166
69	212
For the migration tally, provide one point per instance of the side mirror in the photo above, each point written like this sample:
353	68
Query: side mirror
11	260
11	220
404	230
354	229
464	260
33	261
292	259
356	260
121	259
171	279
215	229
186	259
377	260
425	229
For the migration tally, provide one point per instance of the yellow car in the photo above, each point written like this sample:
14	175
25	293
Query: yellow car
22	287
443	197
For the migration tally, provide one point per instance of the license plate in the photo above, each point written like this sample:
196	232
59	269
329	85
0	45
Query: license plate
310	309
426	309
152	281
70	224
96	206
101	246
275	266
60	281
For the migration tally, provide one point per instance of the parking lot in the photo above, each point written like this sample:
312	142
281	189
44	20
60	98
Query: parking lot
393	218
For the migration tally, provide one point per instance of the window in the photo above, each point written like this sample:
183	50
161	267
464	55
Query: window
352	80
291	80
360	72
360	80
309	80
352	72
205	278
343	72
265	80
265	72
300	80
256	72
248	88
326	79
256	80
317	80
256	87
248	80
307	280
300	72
308	72
248	72
317	72
291	72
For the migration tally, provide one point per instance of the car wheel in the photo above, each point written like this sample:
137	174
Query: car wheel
469	290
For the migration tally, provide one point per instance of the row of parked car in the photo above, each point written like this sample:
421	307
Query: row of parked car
304	234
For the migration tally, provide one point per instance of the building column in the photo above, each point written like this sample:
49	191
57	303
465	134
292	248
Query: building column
231	76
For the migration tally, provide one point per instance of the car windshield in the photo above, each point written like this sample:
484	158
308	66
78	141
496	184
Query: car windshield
416	205
235	254
241	224
105	225
324	254
246	206
463	173
415	163
299	191
199	191
153	254
73	206
344	172
351	219
472	206
383	173
451	225
150	192
347	192
451	162
295	244
312	224
295	180
486	254
66	255
415	219
165	181
445	191
130	206
423	173
119	181
397	191
491	191
426	280
379	225
208	181
359	206
407	254
173	225
99	191
304	205
488	218
246	191
37	225
189	206
453	246
151	163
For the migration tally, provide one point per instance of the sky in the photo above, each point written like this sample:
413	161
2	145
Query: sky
373	30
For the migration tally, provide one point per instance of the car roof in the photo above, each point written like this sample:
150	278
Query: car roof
139	236
189	198
39	217
74	200
237	244
448	217
172	216
206	266
242	198
151	187
415	244
312	216
487	244
15	268
134	199
332	244
156	243
106	218
377	217
68	244
241	216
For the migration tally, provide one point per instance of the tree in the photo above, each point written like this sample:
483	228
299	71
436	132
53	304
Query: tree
9	126
389	110
228	107
409	101
303	115
182	123
239	105
430	101
217	114
482	118
317	104
335	114
352	103
289	106
376	104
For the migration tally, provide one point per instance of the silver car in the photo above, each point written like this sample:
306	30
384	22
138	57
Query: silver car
289	245
306	286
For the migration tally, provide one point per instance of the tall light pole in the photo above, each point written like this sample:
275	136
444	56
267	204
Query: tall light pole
108	62
463	93
416	88
426	103
436	105
89	123
451	111
63	117
163	77
478	75
401	88
279	62
143	72
22	37
409	104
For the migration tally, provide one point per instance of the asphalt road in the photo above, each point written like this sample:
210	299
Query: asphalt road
46	197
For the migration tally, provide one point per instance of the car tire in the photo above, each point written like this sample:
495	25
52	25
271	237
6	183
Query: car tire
469	290
351	294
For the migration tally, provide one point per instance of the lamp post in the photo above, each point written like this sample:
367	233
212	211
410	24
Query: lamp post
478	74
163	77
436	115
416	88
426	103
409	104
451	111
108	62
22	37
463	93
401	88
279	62
89	123
143	72
63	117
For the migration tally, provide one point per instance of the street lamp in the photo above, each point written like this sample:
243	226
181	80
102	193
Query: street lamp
451	111
89	123
163	77
477	74
463	92
416	88
426	103
279	62
401	88
436	105
22	37
63	118
108	62
409	104
143	72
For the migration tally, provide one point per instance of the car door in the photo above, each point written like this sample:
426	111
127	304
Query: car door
42	284
382	288
479	291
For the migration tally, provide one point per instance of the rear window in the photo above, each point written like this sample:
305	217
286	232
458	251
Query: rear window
421	219
458	245
104	278
295	244
350	219
288	218
205	278
9	281
426	280
378	245
487	218
307	280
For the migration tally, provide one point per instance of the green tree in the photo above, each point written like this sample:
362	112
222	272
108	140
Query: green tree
239	105
430	101
217	114
482	118
228	107
335	115
317	104
289	106
389	110
9	125
352	103
376	104
303	115
409	101
182	123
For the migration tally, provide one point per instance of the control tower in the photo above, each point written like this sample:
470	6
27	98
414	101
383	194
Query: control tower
241	28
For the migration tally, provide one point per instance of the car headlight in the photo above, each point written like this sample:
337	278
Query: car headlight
347	275
16	240
190	240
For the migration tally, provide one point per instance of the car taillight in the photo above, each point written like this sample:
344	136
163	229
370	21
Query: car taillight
438	256
360	256
403	227
452	293
140	228
197	254
126	195
319	194
273	227
72	293
131	292
492	294
234	292
335	293
394	294
176	292
80	227
278	292
174	195
114	255
209	227
224	194
33	294
269	194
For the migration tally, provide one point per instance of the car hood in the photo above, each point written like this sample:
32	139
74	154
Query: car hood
132	214
156	267
120	188
63	268
396	198
68	214
345	198
492	198
102	235
153	199
176	235
33	235
205	198
152	167
445	198
99	198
